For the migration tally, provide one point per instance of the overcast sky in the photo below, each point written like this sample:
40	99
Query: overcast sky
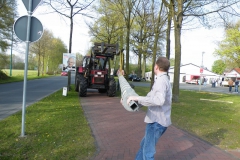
193	43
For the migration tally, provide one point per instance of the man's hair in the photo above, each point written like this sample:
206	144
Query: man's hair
163	64
70	58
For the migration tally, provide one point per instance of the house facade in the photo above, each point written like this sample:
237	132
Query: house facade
234	73
190	73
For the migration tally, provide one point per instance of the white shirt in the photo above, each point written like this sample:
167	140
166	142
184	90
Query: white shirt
158	101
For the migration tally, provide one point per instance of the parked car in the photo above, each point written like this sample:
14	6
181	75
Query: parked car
134	77
64	73
193	81
225	82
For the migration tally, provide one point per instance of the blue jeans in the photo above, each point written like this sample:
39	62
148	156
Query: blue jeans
236	88
230	88
147	147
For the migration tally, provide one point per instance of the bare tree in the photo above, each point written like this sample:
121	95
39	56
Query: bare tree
207	12
126	8
141	31
69	9
160	20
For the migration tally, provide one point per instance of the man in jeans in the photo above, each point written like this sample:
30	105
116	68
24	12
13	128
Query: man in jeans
158	117
230	84
236	85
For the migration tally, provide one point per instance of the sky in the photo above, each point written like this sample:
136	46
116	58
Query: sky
197	45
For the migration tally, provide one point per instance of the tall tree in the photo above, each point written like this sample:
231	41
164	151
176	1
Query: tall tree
79	59
47	52
108	27
182	9
69	9
7	12
160	21
54	55
4	60
141	31
168	32
229	48
126	8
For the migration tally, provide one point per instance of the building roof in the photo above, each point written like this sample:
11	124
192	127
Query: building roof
191	64
236	69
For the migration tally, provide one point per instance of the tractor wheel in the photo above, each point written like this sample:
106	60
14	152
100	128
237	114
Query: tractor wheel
82	87
102	90
112	88
77	80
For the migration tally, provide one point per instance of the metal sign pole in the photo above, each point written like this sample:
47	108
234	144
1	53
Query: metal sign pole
200	81
26	69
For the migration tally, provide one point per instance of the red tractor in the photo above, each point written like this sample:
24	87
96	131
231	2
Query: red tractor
95	71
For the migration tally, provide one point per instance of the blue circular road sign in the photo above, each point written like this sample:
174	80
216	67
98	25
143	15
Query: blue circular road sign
20	28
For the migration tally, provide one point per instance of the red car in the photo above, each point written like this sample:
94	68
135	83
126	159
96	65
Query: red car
64	73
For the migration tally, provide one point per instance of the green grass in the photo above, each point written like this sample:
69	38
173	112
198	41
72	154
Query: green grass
18	75
216	122
55	128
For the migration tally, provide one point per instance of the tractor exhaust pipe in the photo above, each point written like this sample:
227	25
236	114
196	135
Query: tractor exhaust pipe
127	91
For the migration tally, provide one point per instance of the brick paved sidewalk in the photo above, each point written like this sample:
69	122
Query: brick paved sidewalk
118	134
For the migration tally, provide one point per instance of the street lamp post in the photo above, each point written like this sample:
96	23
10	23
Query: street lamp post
201	70
11	50
202	59
11	55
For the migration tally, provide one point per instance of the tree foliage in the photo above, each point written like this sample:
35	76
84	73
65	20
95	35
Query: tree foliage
108	27
7	13
111	26
147	33
126	8
4	61
79	59
229	48
172	60
219	66
46	53
207	12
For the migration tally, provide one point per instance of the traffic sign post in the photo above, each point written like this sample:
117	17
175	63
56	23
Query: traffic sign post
200	80
31	7
28	29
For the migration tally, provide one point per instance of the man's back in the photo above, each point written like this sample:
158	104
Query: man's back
236	82
230	82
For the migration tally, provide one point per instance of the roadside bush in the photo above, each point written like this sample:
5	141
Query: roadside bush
3	76
53	72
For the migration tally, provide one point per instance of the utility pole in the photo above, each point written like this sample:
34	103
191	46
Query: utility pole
11	52
201	71
202	59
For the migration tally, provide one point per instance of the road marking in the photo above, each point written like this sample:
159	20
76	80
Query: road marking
214	100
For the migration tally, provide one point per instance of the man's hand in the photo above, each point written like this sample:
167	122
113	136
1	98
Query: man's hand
120	72
132	98
121	100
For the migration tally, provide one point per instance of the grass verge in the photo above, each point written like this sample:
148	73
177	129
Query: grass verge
18	76
215	121
55	128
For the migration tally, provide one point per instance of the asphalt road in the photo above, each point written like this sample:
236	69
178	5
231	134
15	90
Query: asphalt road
206	88
11	94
